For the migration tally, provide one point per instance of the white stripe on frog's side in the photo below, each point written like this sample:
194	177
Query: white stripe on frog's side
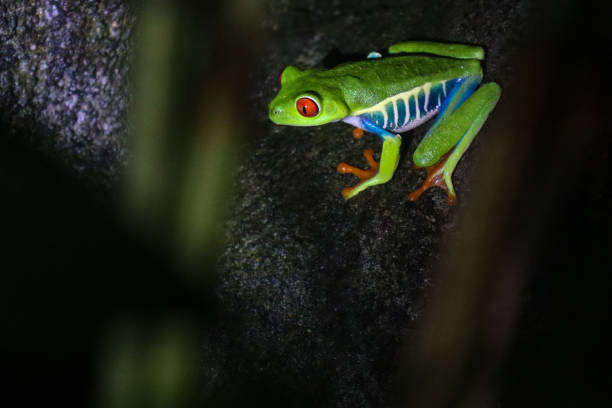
357	122
386	118
417	122
395	113
419	115
405	97
427	90
406	101
380	106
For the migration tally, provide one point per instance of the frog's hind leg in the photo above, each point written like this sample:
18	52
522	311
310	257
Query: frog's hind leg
459	51
452	133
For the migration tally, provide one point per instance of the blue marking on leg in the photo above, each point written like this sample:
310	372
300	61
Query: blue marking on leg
461	88
452	87
371	127
375	117
450	84
470	87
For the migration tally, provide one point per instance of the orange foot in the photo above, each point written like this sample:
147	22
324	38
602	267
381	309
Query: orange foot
363	175
434	179
358	133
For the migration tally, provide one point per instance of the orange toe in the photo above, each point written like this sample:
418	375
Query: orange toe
358	133
363	174
434	179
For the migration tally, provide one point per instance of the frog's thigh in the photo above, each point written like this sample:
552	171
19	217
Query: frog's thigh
459	129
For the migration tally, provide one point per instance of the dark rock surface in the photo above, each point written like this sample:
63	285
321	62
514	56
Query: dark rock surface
322	292
63	79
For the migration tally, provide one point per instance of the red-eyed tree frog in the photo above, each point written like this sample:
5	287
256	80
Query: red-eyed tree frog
391	95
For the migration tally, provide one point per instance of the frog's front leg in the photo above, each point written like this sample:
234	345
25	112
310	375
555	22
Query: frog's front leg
378	173
451	135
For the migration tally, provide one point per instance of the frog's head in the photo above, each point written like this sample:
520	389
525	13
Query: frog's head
307	98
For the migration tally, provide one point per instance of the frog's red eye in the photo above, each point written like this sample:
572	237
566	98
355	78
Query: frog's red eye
307	107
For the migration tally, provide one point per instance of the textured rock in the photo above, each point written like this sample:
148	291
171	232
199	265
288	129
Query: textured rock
63	78
320	293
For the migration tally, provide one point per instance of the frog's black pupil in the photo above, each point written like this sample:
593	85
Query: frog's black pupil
304	109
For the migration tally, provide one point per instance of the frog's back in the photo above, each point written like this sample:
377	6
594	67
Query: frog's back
367	83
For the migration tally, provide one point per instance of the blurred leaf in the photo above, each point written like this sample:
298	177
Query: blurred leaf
152	366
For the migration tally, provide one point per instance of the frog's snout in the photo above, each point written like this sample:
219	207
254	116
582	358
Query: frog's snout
275	113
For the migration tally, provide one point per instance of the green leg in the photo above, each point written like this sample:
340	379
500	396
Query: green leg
460	51
378	173
459	129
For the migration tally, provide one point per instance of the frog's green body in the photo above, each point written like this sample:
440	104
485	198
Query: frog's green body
391	95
